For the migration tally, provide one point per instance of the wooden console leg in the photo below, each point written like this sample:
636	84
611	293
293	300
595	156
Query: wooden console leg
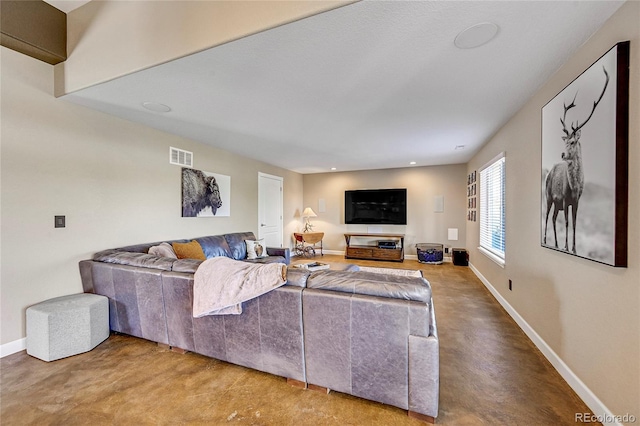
296	383
318	388
164	346
178	350
422	417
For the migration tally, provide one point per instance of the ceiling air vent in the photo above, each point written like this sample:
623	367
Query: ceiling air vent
180	157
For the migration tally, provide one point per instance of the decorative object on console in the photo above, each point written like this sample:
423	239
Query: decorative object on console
388	244
205	194
306	214
255	249
191	250
585	146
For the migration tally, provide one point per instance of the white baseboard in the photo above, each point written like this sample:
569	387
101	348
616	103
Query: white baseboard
13	347
605	416
337	252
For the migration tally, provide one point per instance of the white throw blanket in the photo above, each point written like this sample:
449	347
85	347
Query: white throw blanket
222	284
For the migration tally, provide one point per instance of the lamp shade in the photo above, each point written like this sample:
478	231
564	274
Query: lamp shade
308	212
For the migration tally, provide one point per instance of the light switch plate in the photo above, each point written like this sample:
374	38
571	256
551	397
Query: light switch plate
59	222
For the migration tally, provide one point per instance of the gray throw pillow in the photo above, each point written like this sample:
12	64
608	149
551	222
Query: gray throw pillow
163	250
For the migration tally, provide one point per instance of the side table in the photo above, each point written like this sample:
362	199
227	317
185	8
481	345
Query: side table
309	238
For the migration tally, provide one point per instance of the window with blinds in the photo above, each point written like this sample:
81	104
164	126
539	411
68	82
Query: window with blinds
492	229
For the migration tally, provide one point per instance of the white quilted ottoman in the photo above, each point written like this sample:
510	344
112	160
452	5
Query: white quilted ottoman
67	325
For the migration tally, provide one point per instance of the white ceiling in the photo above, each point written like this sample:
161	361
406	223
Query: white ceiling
367	86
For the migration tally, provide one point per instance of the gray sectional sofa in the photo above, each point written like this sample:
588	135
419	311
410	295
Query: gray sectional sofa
366	334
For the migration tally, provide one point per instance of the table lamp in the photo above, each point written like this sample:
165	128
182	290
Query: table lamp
307	213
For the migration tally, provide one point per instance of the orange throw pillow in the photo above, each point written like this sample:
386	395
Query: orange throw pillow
192	250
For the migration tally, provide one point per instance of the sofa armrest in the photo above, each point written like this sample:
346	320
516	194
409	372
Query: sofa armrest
424	370
297	277
134	259
280	251
372	284
424	375
86	275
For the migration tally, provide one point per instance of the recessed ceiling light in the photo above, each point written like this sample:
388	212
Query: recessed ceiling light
413	163
156	107
476	35
459	147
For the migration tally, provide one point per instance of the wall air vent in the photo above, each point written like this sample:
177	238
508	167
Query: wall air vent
180	157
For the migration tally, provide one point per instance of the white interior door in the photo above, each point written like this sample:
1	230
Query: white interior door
270	207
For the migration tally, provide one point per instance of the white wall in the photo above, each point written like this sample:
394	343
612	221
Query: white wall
111	178
586	312
423	185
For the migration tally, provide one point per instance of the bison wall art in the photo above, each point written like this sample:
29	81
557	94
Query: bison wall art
205	194
584	173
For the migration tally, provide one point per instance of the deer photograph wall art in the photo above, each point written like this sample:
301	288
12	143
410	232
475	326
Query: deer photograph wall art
584	175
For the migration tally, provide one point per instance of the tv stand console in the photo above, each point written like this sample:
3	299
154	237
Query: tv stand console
373	252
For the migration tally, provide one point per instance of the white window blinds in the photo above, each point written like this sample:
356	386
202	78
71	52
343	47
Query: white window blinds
492	229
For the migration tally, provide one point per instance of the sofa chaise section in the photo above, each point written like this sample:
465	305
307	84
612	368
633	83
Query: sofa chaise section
373	336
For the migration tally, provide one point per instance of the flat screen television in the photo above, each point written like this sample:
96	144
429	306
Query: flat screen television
376	206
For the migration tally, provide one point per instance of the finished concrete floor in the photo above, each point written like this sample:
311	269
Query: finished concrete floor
490	374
